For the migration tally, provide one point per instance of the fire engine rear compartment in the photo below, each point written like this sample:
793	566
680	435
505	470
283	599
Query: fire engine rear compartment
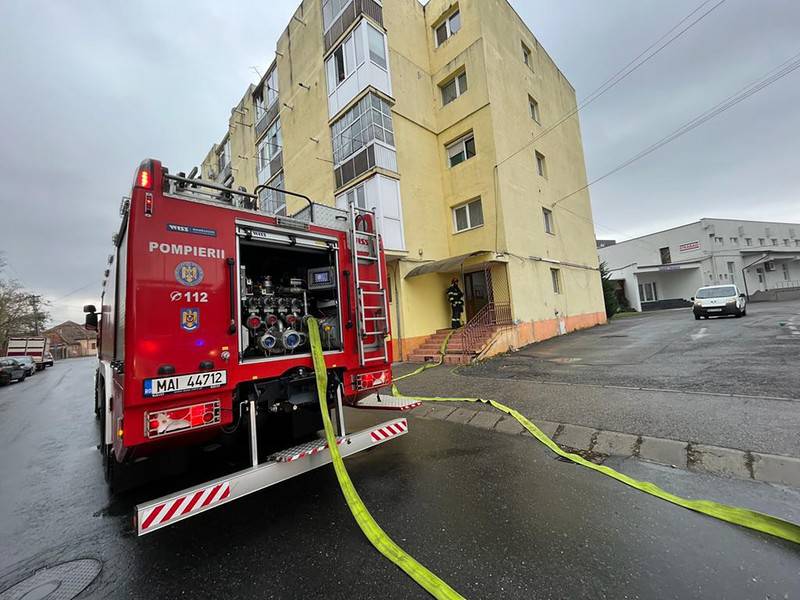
279	287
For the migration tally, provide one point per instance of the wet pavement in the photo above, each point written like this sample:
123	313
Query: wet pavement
725	382
755	355
494	515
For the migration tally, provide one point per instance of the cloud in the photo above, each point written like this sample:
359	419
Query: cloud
92	88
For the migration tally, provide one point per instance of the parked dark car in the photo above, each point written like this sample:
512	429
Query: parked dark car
27	362
10	370
48	359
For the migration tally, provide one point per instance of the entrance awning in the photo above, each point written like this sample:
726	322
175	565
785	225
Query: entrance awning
446	265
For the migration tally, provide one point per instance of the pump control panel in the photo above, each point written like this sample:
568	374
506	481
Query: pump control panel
321	278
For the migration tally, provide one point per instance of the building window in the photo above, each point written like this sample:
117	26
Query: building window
271	86
731	270
785	271
224	157
461	150
331	10
448	28
761	241
454	88
774	241
269	147
718	240
555	276
665	255
533	106
272	202
786	242
735	241
369	120
468	216
549	225
345	60
647	292
377	47
797	243
526	56
748	241
541	164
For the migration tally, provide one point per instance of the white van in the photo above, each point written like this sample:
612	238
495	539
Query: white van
716	300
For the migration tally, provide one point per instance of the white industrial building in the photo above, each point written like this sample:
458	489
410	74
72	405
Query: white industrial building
665	269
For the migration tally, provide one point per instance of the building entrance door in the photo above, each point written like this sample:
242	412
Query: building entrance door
476	292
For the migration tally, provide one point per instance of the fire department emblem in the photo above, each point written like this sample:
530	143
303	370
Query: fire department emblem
189	273
190	319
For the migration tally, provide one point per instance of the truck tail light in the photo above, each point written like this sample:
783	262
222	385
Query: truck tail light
145	179
373	379
176	420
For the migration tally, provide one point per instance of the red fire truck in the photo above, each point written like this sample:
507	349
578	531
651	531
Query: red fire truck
203	332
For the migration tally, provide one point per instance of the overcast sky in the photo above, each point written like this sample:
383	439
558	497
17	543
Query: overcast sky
90	88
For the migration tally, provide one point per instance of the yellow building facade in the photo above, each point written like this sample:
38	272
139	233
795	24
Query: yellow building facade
436	116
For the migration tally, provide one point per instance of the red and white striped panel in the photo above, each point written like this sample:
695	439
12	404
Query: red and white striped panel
184	505
388	431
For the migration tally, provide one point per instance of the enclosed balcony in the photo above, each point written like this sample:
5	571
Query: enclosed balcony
338	15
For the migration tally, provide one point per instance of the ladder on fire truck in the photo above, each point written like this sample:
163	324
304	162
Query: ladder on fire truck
372	305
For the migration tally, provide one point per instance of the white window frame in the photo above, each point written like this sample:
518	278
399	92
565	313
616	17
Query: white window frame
280	200
353	56
533	108
458	86
465	206
271	88
748	241
555	278
273	148
549	221
368	47
460	147
367	122
786	276
648	292
226	155
447	23
541	163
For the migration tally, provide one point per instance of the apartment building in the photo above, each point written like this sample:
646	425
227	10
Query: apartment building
431	115
664	269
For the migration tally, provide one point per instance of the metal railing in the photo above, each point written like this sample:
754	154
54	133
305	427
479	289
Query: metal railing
483	323
785	284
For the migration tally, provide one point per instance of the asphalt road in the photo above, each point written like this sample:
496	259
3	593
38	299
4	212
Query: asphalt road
755	355
494	515
723	381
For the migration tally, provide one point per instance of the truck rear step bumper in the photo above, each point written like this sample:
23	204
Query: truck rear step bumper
167	510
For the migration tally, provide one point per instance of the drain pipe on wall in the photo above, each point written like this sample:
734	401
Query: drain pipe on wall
398	309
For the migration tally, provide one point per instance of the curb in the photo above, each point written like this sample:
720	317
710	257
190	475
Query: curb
700	458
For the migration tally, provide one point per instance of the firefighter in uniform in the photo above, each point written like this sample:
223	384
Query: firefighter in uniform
456	299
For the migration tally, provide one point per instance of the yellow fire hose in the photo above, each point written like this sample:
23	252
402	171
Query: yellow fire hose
732	514
377	537
429	580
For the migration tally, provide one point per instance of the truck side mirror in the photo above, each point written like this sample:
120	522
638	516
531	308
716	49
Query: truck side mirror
692	298
742	296
91	321
89	308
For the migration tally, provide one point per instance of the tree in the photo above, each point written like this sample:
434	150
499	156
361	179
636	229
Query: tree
609	292
20	311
